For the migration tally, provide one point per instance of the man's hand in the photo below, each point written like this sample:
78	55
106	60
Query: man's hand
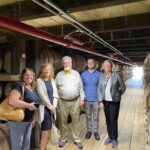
81	103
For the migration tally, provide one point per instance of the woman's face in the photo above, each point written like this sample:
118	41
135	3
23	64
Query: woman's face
28	77
107	67
47	72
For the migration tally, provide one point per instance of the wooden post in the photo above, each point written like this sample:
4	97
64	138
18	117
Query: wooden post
33	55
18	47
33	61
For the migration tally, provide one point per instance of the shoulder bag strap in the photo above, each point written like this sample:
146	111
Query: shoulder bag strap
22	95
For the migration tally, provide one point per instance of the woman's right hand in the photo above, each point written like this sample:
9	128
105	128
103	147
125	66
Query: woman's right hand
31	106
101	105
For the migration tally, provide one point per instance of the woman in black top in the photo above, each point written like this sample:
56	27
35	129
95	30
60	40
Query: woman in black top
20	132
47	91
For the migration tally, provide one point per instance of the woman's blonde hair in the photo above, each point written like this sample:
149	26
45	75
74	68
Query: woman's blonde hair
33	84
41	75
110	62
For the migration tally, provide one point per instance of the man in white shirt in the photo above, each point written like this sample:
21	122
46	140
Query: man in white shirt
70	90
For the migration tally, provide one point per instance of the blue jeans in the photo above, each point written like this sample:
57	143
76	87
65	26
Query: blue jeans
92	116
20	133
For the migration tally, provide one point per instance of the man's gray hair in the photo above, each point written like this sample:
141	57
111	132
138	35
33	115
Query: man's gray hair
66	57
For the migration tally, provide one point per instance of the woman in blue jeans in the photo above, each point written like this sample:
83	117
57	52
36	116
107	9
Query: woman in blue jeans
20	132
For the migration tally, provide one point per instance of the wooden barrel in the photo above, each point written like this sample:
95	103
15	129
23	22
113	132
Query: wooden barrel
57	60
7	61
117	68
80	62
147	96
1	91
101	66
7	89
22	62
4	137
147	130
1	61
146	68
73	62
51	56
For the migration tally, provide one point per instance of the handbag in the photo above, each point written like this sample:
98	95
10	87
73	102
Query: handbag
10	113
55	134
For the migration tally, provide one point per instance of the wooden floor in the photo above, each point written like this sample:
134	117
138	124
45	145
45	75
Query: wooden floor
131	123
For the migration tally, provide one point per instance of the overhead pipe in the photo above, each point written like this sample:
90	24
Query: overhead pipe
29	30
74	40
53	12
78	25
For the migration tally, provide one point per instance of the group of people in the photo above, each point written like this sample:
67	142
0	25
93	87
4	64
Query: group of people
92	90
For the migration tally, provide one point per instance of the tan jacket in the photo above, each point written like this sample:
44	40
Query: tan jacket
42	91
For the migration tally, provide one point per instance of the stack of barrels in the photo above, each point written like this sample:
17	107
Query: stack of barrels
127	72
5	88
147	99
1	68
124	70
5	61
55	58
5	68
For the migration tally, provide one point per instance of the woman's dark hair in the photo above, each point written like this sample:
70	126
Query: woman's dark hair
33	84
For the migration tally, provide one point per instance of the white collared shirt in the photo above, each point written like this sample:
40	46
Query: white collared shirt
69	85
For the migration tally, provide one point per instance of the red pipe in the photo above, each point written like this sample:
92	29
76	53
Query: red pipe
29	30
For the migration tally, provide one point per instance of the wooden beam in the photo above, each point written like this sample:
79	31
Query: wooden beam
72	6
146	46
108	25
7	77
99	4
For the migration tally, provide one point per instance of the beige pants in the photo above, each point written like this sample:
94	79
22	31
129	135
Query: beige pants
72	109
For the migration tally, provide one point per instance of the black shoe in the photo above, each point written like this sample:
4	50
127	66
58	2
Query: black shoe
97	137
88	135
